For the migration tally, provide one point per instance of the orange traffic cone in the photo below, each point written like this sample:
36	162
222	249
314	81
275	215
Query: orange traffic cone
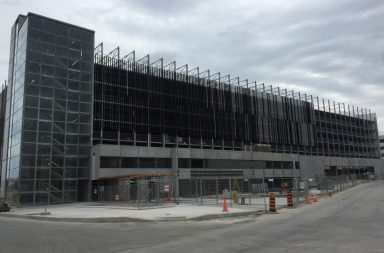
314	198
225	207
308	199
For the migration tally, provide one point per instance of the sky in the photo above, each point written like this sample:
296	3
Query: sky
329	49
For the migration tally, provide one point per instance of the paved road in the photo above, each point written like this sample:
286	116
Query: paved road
352	221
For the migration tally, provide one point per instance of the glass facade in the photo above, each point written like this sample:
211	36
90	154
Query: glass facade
11	152
50	124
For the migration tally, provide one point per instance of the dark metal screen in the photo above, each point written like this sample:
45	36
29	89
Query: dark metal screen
144	99
152	103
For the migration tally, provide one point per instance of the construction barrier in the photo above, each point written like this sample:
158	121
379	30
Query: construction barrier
290	199
272	203
308	199
225	207
314	198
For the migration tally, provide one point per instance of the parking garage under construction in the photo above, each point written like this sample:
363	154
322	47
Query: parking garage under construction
77	119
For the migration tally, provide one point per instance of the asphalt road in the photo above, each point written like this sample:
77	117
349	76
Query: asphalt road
351	221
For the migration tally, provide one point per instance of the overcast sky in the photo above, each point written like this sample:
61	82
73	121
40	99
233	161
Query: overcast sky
331	49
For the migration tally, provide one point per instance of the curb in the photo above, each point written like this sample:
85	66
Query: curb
77	220
129	219
225	215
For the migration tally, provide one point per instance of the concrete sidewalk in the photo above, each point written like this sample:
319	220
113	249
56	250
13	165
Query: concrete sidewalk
120	213
96	212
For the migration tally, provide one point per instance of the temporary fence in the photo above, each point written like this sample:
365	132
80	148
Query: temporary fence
138	193
245	193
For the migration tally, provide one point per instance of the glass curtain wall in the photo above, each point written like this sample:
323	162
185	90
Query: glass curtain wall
13	122
54	153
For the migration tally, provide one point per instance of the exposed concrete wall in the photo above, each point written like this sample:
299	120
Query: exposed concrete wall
123	172
309	165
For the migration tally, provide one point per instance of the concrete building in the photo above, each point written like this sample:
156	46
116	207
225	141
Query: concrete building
75	118
381	143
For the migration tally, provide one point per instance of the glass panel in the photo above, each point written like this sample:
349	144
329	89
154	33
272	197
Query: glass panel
45	103
31	101
44	150
56	185
84	151
42	185
27	173
70	173
41	198
42	173
74	75
32	89
147	162
45	137
84	139
84	107
57	161
47	81
197	163
72	117
57	173
30	113
29	148
73	85
45	114
47	59
73	106
70	196
59	105
71	150
43	161
73	96
83	173
28	161
62	29
70	161
129	162
71	139
61	72
84	162
70	185
30	124
72	127
26	198
85	87
164	163
58	149
46	92
27	185
62	41
109	162
44	126
58	138
84	129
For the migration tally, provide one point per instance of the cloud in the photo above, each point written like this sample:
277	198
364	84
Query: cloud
331	49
